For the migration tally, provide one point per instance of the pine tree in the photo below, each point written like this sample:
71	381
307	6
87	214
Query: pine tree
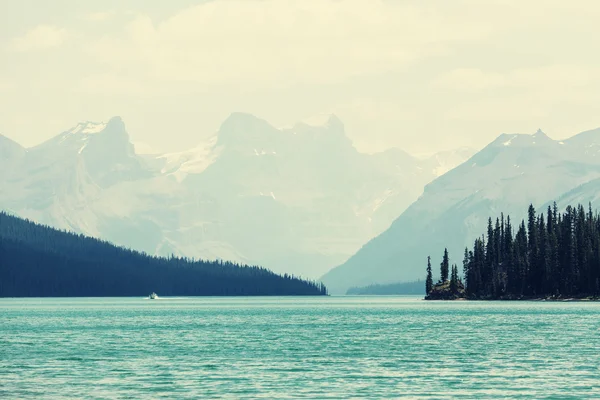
532	251
454	279
444	266
490	257
542	279
552	254
429	280
466	265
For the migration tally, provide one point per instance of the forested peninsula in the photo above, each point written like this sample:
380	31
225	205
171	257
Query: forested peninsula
555	256
39	261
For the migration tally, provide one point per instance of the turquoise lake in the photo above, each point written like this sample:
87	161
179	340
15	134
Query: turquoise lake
329	347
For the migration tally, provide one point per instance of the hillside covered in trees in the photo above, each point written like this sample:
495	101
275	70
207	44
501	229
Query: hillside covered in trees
38	261
390	289
556	255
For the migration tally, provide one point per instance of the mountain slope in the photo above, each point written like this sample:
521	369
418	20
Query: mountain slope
37	261
506	176
299	199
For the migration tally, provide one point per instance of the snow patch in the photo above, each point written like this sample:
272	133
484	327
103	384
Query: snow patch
379	202
88	127
264	153
94	128
193	161
509	141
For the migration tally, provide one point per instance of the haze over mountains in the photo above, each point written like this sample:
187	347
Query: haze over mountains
506	176
300	199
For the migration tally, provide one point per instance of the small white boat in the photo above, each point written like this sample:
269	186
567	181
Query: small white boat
153	296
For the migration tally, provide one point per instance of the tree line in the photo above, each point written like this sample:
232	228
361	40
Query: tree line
39	261
399	288
551	255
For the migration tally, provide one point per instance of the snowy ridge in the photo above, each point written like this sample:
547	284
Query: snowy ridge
298	201
88	127
506	176
193	161
509	141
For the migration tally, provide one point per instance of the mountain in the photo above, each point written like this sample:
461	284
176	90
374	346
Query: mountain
38	261
300	199
506	176
11	154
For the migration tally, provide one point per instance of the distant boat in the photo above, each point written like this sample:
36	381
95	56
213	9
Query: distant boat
153	296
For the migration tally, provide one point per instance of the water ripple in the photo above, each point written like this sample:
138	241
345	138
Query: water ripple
325	348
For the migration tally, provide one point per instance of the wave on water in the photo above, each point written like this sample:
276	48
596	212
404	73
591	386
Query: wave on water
166	298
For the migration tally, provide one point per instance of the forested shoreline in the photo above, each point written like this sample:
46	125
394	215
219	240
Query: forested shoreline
551	256
39	261
389	289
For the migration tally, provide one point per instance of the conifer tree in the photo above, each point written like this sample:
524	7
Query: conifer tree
454	279
466	265
490	256
557	254
444	267
532	251
429	280
542	281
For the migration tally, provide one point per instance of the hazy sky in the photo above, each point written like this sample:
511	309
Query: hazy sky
421	75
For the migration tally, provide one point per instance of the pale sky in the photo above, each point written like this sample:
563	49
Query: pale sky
420	75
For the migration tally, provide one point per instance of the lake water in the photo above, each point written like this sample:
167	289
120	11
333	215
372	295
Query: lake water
335	347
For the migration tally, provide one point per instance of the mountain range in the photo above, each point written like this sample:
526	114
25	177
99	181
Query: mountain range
513	171
299	199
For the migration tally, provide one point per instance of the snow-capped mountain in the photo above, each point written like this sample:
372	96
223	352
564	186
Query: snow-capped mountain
300	199
506	176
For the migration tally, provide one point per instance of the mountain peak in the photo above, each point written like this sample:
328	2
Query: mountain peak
521	139
115	128
241	128
240	117
539	134
116	122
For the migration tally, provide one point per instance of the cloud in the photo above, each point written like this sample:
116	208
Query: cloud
549	76
40	37
110	84
99	16
282	42
522	94
407	73
468	79
6	85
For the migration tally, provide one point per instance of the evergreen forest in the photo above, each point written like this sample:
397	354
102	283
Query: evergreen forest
556	255
39	261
